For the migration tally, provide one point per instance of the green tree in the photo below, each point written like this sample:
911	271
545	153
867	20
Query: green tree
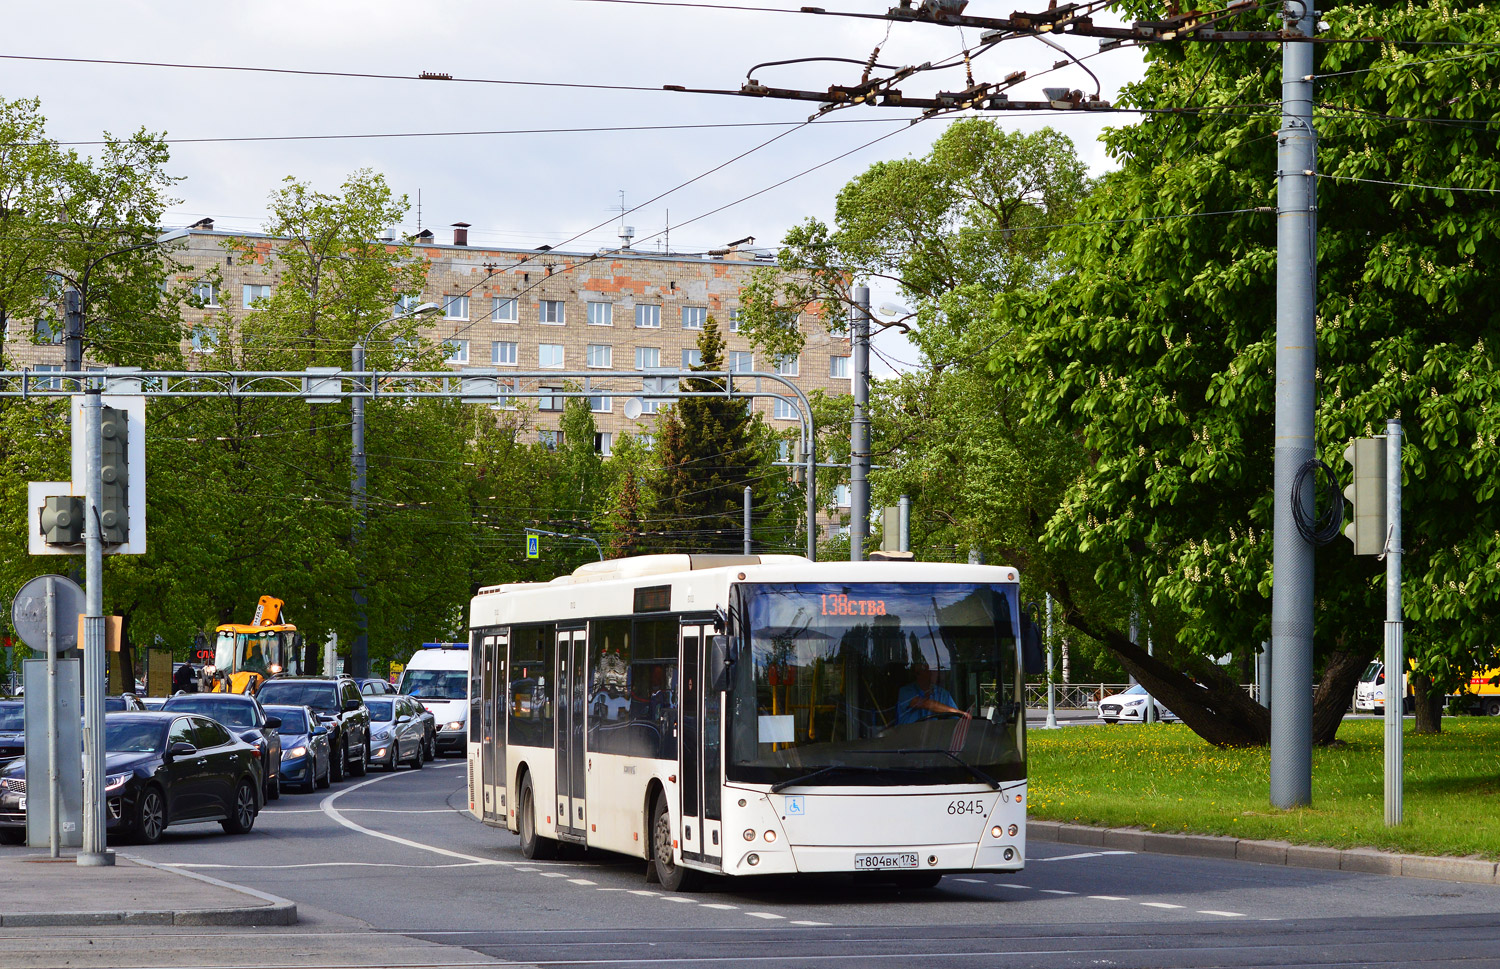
1155	348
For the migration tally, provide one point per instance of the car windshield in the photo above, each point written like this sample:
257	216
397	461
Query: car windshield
1136	690
12	716
878	683
1372	672
293	720
228	712
381	711
114	704
322	697
435	684
133	736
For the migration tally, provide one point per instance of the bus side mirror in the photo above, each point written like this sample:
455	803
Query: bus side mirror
720	659
1033	661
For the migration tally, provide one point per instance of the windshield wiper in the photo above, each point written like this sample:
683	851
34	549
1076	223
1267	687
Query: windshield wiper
951	756
780	786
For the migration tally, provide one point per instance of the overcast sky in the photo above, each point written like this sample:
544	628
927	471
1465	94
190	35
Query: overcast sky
517	190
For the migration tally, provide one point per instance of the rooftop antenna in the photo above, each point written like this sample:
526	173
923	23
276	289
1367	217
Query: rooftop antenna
626	232
419	210
666	238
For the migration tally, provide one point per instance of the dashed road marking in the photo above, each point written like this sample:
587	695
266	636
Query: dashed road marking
765	915
553	874
642	891
678	898
1056	891
1110	898
805	922
1160	905
720	905
972	881
1227	915
1084	854
1010	885
581	881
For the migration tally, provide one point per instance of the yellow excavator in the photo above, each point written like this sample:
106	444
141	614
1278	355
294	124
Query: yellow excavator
245	655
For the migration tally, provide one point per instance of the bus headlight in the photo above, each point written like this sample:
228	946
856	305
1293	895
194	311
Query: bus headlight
749	834
997	831
770	837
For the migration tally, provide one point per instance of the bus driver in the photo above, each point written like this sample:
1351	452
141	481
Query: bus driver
924	697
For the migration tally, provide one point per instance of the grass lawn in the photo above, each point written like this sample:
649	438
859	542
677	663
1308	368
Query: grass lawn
1166	778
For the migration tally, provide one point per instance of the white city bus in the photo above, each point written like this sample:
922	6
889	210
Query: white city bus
756	715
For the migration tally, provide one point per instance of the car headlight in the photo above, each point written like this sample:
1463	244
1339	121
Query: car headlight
116	781
380	733
297	752
455	725
1134	703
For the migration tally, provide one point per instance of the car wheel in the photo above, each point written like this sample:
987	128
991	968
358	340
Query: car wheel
327	777
361	767
273	788
241	810
394	760
150	816
533	845
416	757
672	876
337	759
429	747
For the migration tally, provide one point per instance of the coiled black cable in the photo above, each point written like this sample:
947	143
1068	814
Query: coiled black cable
1324	528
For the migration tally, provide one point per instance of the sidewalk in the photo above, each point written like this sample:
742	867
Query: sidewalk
46	892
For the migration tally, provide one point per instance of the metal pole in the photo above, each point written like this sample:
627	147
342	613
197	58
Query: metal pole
905	523
94	853
1051	688
331	654
1150	700
747	519
73	331
359	655
54	780
1395	659
1296	358
859	427
811	458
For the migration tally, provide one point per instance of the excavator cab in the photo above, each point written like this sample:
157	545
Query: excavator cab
246	655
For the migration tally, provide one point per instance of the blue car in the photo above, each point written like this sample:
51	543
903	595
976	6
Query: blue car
306	759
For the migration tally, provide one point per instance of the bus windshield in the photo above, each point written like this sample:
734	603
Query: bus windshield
877	683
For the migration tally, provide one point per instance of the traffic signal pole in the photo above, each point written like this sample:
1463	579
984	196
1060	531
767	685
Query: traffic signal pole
94	852
1395	659
1296	359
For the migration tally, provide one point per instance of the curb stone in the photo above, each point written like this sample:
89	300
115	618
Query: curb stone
1471	870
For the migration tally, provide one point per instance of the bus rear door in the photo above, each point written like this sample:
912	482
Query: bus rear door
572	646
699	758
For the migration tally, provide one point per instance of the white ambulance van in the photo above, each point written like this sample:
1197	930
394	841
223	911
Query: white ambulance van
438	675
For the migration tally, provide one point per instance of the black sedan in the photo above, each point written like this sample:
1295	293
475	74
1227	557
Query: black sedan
244	716
12	730
160	769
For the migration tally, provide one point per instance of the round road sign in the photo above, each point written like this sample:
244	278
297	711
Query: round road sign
29	612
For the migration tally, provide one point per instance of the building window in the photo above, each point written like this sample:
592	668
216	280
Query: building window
550	355
655	385
549	399
552	311
455	307
741	361
551	440
604	443
647	358
205	339
50	383
206	294
407	304
734	321
503	309
648	315
601	356
648	441
787	366
254	293
601	404
784	410
841	496
786	451
601	314
691	357
457	351
48	332
503	351
838	367
693	317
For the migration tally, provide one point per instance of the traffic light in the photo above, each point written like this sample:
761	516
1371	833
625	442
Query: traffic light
1366	455
114	506
62	520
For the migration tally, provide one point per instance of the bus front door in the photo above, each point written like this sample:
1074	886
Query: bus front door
698	751
572	821
491	655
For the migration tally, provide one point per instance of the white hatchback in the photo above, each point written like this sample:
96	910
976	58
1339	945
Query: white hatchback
1130	707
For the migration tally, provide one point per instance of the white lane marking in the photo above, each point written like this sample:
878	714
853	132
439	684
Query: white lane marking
326	806
581	881
972	881
642	891
1110	898
399	811
528	869
677	898
1227	915
317	864
1010	885
804	922
554	874
1160	905
719	905
1056	891
765	915
1084	854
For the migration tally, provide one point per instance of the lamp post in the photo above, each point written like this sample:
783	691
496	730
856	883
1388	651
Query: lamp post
359	654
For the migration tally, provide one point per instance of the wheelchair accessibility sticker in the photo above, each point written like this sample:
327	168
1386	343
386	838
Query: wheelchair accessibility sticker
795	805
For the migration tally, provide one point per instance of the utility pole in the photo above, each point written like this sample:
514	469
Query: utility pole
1296	360
1051	689
94	853
747	519
72	331
1395	658
859	427
905	507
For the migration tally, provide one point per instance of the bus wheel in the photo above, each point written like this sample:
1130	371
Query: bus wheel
673	877
1492	708
533	845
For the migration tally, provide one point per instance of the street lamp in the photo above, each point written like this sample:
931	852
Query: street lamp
359	655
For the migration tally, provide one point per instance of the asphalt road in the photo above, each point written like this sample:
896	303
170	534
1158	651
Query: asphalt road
391	860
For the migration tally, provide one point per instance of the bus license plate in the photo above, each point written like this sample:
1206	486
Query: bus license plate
890	862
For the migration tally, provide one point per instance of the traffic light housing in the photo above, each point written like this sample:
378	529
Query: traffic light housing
1366	455
114	473
62	520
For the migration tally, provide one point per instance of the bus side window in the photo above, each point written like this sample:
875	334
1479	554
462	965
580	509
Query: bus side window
653	684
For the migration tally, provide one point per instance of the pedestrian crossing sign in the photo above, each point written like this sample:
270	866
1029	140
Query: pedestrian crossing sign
533	546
